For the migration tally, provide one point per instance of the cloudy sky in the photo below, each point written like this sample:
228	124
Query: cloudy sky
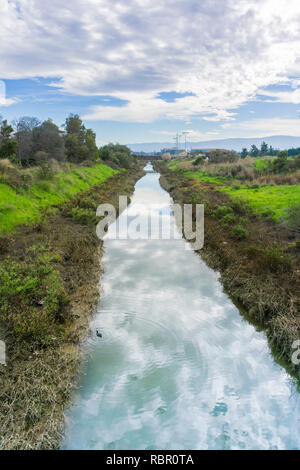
141	70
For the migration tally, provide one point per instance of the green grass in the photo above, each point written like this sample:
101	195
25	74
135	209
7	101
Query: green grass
172	164
272	201
22	287
262	163
204	176
25	207
197	174
267	200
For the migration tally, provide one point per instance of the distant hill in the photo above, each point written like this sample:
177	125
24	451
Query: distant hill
277	141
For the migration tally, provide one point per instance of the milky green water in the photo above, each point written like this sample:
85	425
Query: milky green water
178	367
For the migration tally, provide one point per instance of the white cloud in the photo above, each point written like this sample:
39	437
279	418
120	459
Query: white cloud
264	127
222	51
4	102
292	96
220	116
192	136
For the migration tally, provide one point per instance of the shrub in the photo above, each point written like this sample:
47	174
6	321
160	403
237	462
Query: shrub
240	207
294	164
87	203
197	161
84	216
45	171
228	219
239	232
196	198
292	218
221	211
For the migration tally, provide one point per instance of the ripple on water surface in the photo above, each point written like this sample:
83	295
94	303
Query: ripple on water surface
177	366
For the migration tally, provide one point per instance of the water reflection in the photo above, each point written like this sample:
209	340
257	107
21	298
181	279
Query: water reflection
178	367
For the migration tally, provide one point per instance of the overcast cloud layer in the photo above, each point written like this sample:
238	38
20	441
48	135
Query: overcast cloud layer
224	52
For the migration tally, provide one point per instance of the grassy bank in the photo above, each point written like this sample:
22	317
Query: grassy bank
49	273
270	201
23	203
249	181
258	258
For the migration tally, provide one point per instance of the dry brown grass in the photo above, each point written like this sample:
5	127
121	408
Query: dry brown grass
285	178
243	171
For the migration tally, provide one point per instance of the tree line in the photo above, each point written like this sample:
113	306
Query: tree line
266	150
28	141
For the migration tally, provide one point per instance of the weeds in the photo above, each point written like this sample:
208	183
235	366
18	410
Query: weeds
291	218
270	259
221	211
239	232
32	298
84	216
228	219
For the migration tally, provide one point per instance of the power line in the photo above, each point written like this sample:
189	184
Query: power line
185	133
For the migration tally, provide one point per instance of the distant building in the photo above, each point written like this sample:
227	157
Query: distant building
182	155
166	156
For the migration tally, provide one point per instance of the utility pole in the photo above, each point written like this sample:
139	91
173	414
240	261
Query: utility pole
177	141
185	133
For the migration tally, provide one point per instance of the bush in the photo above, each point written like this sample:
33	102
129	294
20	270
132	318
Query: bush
294	163
228	219
291	218
84	216
239	232
240	207
197	161
221	211
196	198
87	203
45	171
118	155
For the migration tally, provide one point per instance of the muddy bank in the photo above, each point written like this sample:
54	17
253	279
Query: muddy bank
260	270
50	274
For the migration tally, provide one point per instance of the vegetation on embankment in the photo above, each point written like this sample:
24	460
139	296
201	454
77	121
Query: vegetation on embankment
270	187
49	273
257	257
267	201
23	203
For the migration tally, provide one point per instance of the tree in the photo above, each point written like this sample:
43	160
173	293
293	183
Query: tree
90	139
48	138
118	154
254	152
244	153
24	136
105	153
80	143
271	152
264	149
293	152
280	164
8	146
